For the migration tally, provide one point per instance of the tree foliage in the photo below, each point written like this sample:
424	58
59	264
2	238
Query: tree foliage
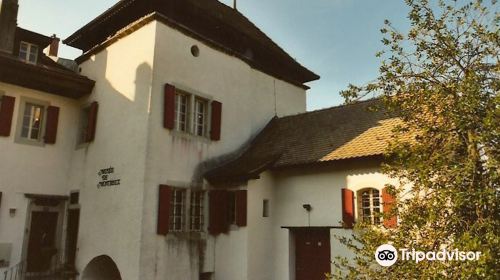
442	79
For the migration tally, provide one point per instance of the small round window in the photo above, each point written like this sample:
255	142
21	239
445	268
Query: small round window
195	51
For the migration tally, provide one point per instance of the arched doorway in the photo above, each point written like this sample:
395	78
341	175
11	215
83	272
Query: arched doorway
101	268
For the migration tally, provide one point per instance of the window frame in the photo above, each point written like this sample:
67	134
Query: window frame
74	197
204	126
266	208
26	57
191	125
177	112
374	206
190	220
200	206
20	122
173	226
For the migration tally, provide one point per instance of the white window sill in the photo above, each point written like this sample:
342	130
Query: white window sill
189	136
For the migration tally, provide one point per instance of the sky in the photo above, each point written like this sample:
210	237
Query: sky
336	39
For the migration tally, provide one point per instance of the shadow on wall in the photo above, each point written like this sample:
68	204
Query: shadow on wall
123	109
101	268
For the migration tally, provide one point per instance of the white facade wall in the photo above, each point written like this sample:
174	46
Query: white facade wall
271	252
34	169
250	99
120	221
110	221
260	229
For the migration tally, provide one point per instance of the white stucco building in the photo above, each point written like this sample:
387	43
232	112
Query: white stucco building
179	149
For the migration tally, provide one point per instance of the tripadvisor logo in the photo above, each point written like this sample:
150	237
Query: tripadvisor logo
387	255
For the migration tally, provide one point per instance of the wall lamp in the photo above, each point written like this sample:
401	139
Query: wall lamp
308	207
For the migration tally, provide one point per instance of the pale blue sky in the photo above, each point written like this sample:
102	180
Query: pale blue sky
336	39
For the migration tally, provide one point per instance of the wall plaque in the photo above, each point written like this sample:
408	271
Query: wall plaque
107	178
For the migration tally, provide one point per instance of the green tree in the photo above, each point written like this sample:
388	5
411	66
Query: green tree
442	79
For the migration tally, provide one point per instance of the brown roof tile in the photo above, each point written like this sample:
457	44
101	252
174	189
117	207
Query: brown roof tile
337	133
45	76
208	20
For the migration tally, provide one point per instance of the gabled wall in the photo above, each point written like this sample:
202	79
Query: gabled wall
250	99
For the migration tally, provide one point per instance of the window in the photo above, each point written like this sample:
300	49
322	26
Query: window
189	113
369	206
87	124
32	121
173	204
177	206
196	205
28	52
181	112
265	208
84	124
195	51
74	197
200	116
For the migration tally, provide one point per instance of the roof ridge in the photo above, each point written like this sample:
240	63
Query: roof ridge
103	16
247	19
331	108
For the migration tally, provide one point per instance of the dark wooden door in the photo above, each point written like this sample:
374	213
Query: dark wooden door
72	234
42	241
312	254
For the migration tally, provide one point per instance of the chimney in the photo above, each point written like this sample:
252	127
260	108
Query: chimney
8	24
54	46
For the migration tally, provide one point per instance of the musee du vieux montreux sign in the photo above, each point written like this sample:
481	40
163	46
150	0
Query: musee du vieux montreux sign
107	178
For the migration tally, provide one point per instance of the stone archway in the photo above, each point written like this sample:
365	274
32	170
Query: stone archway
101	268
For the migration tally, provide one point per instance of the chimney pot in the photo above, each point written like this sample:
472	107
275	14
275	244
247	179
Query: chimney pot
8	24
54	46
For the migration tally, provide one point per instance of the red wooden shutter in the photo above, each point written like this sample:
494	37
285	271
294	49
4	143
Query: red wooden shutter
216	120
241	208
218	212
164	199
6	112
169	107
51	125
348	208
92	121
389	202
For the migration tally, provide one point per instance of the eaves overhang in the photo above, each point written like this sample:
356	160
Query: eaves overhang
47	79
209	21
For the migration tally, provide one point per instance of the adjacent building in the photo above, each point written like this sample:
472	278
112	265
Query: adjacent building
176	147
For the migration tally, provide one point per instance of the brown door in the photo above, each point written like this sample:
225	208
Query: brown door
312	253
42	241
73	222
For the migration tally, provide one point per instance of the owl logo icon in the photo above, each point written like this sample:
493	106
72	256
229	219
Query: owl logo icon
386	255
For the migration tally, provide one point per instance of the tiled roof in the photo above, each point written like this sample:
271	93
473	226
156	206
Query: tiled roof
47	76
338	133
208	20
